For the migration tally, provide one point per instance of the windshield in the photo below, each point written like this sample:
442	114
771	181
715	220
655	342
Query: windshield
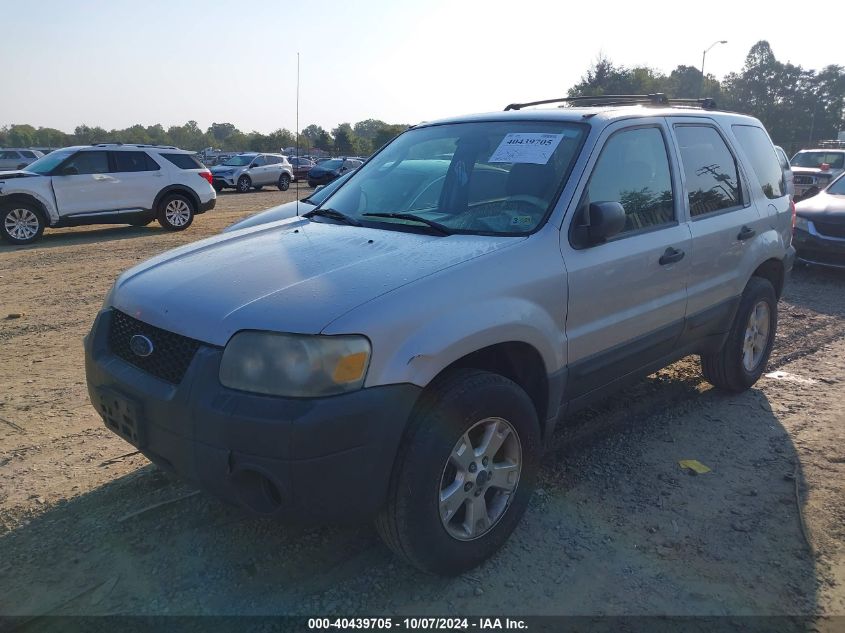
837	188
491	177
815	159
239	161
48	163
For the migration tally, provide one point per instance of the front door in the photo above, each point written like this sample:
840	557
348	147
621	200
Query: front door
627	296
83	184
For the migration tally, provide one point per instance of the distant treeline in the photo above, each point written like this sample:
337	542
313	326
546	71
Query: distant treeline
798	106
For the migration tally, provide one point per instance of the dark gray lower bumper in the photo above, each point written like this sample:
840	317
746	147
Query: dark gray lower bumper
320	459
815	249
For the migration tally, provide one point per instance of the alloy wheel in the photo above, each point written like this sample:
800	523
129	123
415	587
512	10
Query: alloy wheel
756	336
177	212
21	224
480	478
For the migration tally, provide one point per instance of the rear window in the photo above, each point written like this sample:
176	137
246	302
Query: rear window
133	161
184	161
711	174
816	159
764	159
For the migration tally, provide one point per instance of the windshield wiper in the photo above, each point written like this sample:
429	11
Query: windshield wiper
334	215
440	228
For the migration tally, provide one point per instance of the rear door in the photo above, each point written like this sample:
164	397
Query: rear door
139	178
723	220
83	184
627	297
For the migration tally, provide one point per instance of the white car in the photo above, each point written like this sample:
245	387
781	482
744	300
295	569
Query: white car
252	171
18	158
109	183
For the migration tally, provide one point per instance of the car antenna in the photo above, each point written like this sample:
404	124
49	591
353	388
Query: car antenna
297	128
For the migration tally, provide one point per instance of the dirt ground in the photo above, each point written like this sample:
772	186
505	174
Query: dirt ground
617	527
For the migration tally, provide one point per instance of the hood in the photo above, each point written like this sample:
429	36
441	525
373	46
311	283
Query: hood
8	175
815	171
281	212
297	276
220	168
823	207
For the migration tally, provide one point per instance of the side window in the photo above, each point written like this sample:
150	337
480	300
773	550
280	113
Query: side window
87	163
764	159
710	169
27	154
132	161
273	160
259	161
8	155
633	169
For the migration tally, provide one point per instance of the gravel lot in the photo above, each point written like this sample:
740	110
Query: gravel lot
616	528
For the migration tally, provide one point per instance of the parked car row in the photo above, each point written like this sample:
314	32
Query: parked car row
11	158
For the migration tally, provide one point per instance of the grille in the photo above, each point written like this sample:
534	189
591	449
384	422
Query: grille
831	230
172	353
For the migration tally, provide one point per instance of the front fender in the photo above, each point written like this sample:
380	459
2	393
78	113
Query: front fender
38	192
452	335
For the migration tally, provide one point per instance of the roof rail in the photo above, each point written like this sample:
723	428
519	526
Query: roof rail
655	99
113	144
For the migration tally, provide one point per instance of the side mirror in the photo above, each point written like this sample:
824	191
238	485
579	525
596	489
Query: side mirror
602	221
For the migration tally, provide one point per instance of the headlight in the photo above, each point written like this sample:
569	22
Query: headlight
802	223
295	365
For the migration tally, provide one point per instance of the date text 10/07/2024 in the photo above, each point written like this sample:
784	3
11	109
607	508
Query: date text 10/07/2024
417	624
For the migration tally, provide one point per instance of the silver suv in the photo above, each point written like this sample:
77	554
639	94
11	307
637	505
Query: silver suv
404	350
252	171
18	158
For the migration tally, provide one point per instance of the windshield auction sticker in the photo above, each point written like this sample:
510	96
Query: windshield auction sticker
525	147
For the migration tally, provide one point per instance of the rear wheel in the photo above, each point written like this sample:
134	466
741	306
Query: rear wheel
743	357
21	223
244	184
284	182
175	212
464	474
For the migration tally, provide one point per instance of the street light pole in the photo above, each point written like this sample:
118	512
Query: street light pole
703	57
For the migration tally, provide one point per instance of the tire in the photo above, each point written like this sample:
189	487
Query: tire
21	223
743	357
217	187
312	184
244	184
284	182
463	404
175	212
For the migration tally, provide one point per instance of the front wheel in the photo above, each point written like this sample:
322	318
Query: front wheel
743	357
284	182
464	474
21	223
176	212
244	184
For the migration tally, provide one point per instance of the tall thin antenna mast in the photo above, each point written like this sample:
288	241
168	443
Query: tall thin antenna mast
297	127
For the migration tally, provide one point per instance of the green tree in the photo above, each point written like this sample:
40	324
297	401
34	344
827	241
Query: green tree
344	139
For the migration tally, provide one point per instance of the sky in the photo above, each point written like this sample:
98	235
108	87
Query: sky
115	63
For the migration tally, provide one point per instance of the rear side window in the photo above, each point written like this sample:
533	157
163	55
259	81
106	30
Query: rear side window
183	161
764	159
9	155
710	169
273	160
633	169
27	154
133	161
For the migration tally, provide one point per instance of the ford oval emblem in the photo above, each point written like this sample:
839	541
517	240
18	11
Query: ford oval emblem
141	345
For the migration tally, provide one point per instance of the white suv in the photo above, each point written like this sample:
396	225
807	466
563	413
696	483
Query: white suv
104	184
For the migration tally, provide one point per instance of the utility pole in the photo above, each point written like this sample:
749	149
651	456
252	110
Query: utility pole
703	57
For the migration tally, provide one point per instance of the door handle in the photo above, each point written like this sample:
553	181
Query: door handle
671	255
746	233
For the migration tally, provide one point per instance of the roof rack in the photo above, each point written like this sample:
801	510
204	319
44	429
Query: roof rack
112	144
656	99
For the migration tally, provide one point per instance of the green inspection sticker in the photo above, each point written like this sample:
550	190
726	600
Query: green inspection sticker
521	220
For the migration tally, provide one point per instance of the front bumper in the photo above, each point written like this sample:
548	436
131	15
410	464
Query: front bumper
813	248
314	459
223	181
